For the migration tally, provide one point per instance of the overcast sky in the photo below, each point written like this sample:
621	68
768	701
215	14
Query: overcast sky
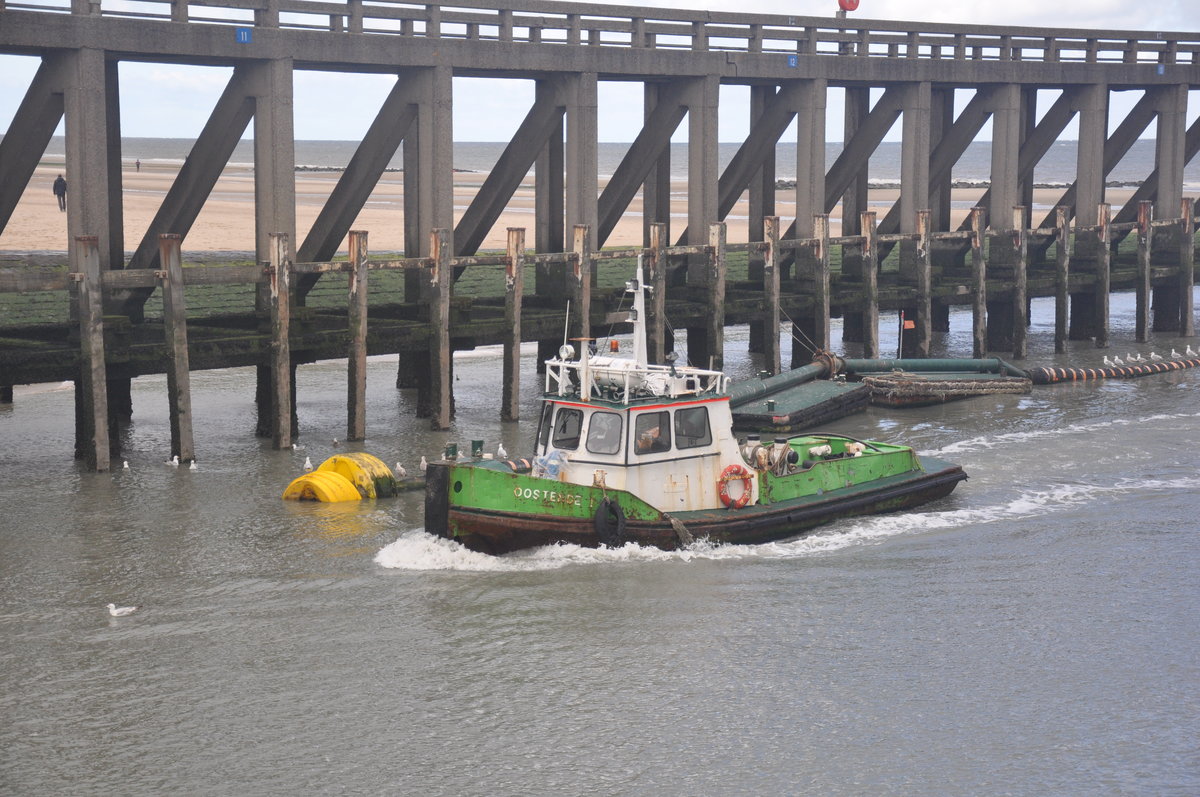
173	101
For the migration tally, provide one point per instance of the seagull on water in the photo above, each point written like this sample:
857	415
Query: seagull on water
192	465
308	464
1155	357
121	611
424	463
174	461
125	464
401	472
500	452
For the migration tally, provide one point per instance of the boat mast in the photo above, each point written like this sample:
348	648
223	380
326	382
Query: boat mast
638	288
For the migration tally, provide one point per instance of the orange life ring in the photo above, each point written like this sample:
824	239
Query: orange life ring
734	473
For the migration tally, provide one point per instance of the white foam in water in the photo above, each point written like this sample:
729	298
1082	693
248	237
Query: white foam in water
417	550
1005	440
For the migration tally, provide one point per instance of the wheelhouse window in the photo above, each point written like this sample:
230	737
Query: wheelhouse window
545	424
567	425
604	433
652	432
691	428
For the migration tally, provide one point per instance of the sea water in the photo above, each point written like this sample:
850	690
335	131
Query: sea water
1037	632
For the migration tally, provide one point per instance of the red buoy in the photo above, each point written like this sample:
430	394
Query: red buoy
848	5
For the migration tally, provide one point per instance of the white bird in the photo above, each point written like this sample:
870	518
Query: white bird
424	463
500	452
192	465
335	442
125	464
401	472
1155	357
1174	354
1188	351
174	462
308	464
1117	360
1141	357
1108	362
121	611
295	447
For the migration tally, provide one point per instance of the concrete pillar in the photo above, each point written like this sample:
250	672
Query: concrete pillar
1089	160
86	110
854	204
656	191
115	204
702	99
810	156
914	155
941	121
1006	149
581	161
1169	157
274	156
431	160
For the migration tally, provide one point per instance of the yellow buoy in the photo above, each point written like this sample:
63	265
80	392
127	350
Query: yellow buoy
322	486
345	477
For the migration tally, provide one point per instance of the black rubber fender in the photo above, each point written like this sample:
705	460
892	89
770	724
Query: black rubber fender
609	523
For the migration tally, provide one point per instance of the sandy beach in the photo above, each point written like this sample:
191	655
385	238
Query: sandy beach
226	224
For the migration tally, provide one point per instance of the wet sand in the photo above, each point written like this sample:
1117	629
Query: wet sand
226	224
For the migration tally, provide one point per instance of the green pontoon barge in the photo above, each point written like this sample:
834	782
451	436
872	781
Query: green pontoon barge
627	451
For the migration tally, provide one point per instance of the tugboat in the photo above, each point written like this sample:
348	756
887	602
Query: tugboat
629	451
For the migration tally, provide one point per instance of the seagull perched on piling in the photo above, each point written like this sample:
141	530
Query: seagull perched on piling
121	611
500	452
308	464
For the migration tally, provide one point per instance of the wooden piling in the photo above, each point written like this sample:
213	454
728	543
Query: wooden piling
1020	299
770	275
1103	273
356	368
91	429
1187	277
924	275
581	283
979	287
655	274
1062	281
279	290
1142	321
870	277
715	318
441	279
821	298
179	383
514	281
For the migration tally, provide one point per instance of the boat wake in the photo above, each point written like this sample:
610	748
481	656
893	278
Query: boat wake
1002	441
418	551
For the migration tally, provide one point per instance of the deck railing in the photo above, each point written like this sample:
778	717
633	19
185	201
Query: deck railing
548	22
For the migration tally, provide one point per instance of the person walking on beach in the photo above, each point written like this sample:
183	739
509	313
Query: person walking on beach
138	164
60	191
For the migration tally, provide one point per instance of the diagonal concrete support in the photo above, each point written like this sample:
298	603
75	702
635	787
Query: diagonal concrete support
542	121
362	174
200	170
643	155
30	132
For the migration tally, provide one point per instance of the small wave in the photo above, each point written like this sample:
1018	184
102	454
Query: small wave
1006	440
420	551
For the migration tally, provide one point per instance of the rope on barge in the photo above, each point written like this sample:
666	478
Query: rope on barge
1047	376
